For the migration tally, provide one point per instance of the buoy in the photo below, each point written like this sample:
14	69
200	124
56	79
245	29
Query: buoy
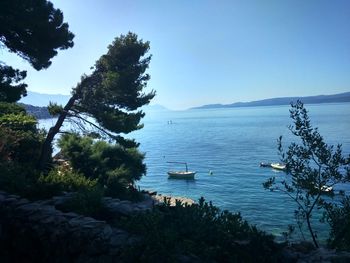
210	172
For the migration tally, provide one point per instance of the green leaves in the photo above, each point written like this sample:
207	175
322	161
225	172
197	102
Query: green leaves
201	230
34	30
11	88
314	167
113	92
55	109
114	166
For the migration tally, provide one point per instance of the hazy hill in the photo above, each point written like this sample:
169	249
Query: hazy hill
341	97
36	104
154	107
37	111
40	99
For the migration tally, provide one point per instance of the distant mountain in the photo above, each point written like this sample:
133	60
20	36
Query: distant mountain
341	97
37	111
154	107
40	99
36	104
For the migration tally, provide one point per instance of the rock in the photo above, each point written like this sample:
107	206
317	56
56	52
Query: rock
9	200
28	208
172	199
40	232
21	202
118	239
124	209
70	215
306	253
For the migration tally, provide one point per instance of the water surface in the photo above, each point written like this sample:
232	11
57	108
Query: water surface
231	143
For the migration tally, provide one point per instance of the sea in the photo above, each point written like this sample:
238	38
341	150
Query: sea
225	147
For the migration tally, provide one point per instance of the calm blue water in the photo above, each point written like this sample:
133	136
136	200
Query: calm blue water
231	143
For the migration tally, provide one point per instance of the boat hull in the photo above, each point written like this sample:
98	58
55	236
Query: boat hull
181	175
278	166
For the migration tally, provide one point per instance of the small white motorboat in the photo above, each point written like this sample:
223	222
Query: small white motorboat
278	166
181	174
326	188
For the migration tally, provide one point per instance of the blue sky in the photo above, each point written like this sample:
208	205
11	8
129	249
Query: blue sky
211	51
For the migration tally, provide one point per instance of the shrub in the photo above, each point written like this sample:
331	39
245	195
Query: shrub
62	179
11	108
87	195
20	140
17	179
18	122
20	143
339	219
200	231
115	166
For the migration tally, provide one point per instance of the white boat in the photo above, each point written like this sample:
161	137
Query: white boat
326	188
181	174
278	166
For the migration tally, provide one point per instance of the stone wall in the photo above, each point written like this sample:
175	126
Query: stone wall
37	232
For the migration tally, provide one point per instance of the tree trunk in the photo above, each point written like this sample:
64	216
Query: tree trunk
46	148
311	232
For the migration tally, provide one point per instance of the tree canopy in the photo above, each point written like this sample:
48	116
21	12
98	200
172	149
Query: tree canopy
34	30
115	86
108	99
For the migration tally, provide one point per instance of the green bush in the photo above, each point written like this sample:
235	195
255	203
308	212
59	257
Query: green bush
20	143
17	179
20	140
115	166
339	219
200	231
11	108
116	184
87	195
62	179
18	122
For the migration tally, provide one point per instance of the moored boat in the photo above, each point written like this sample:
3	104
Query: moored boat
326	188
181	174
278	166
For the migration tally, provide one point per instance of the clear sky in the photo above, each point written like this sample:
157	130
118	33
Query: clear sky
211	51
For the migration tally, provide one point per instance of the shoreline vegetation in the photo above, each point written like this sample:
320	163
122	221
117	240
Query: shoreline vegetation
177	229
115	238
83	204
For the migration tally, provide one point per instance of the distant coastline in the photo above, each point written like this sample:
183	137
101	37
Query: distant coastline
37	111
340	97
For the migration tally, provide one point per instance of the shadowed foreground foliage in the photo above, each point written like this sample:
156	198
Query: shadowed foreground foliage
338	217
314	169
199	232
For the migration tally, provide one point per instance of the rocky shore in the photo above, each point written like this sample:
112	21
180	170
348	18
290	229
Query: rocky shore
39	232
